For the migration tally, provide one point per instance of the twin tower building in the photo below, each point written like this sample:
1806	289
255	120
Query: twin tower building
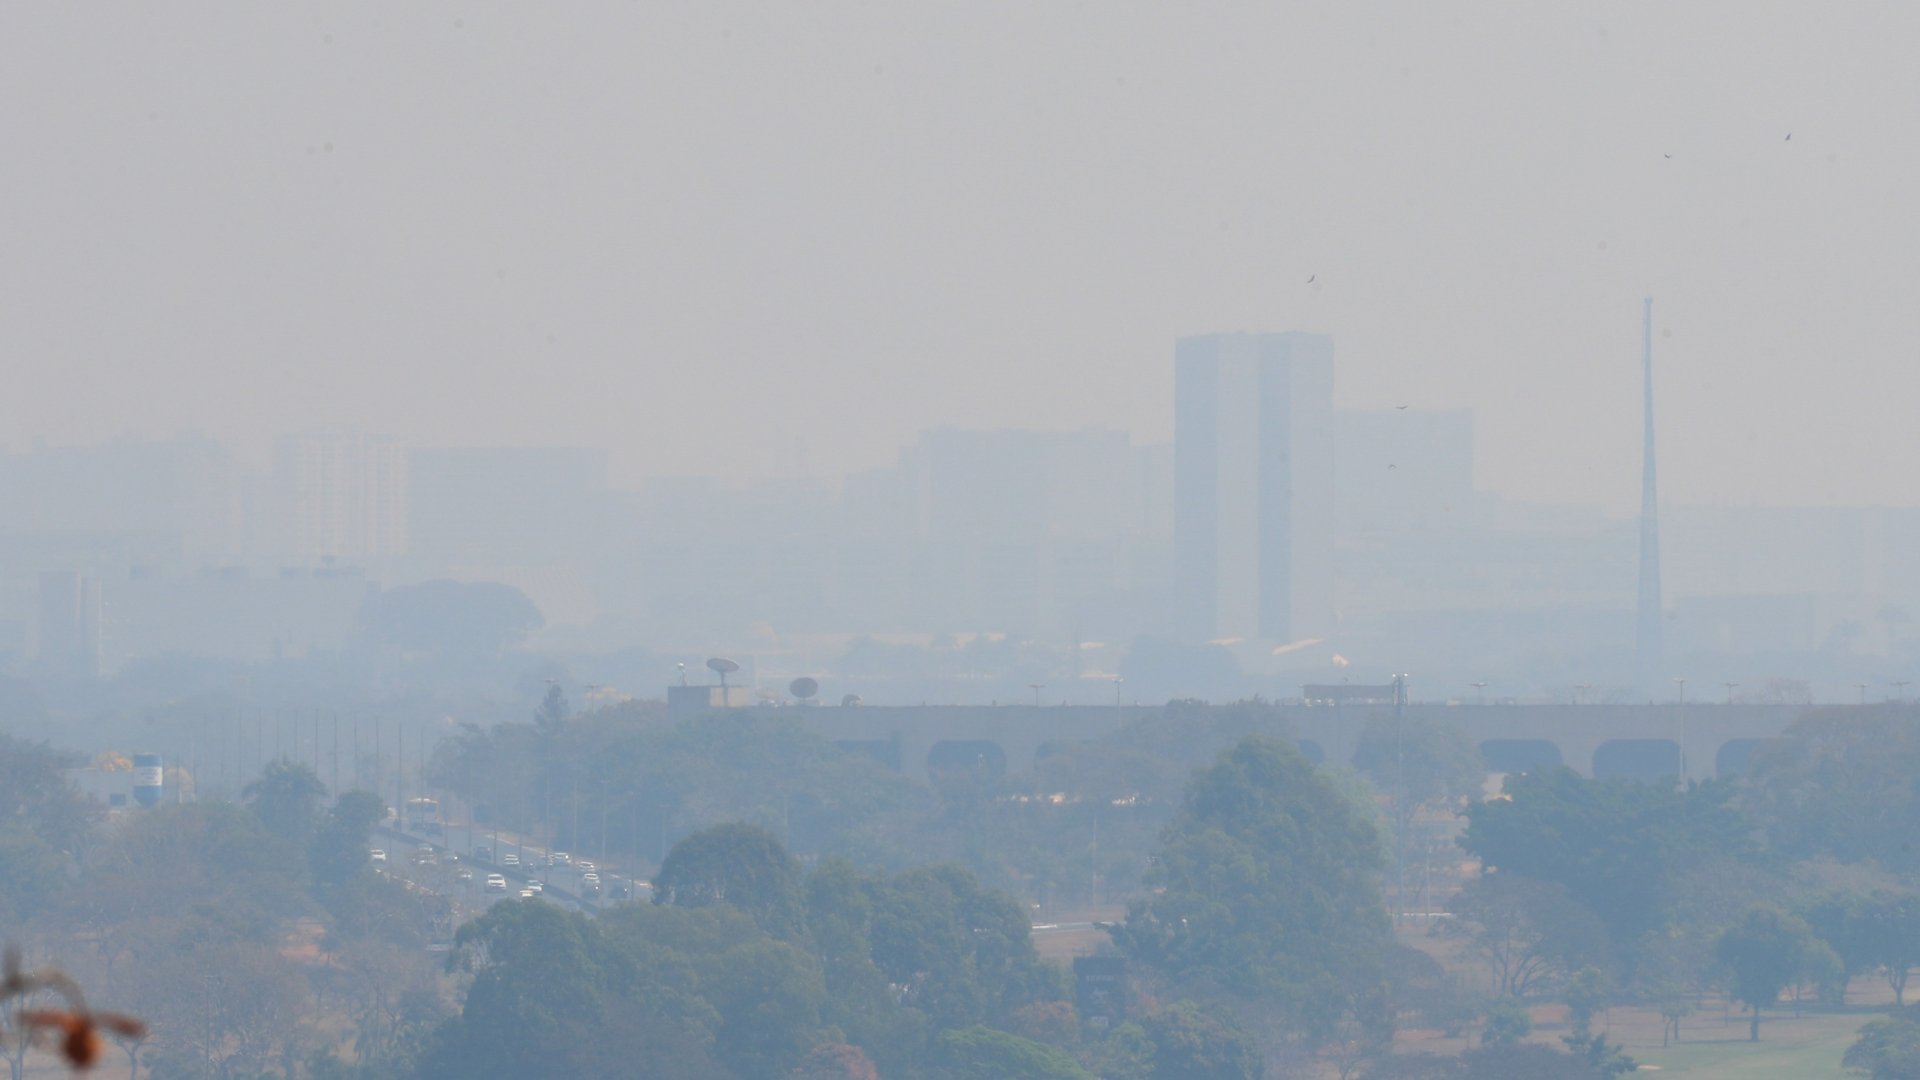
1253	475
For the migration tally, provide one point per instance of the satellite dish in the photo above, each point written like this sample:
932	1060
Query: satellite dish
722	667
851	700
804	687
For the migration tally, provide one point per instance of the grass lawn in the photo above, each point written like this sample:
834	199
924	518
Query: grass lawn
1808	1048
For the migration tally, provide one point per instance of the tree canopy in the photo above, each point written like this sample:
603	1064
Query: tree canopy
1617	846
1267	889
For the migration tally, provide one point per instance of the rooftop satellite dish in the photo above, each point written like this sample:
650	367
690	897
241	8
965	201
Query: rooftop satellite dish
851	700
803	687
722	667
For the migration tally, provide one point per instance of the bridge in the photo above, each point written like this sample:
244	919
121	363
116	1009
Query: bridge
1698	740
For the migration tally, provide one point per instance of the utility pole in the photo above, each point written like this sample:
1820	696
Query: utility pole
603	823
1400	782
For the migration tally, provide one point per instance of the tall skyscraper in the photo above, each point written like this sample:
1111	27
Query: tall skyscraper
1648	651
1253	485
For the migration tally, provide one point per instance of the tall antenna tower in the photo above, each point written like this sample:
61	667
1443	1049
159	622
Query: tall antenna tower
1649	656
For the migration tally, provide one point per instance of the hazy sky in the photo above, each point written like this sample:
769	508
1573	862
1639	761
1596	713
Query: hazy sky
750	239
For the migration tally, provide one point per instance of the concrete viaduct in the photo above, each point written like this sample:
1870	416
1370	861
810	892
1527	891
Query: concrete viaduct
1636	741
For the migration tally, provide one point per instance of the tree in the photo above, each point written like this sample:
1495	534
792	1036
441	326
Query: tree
1125	1053
769	996
32	875
1586	993
37	800
287	799
834	1061
339	847
1839	919
1763	954
981	1053
1527	932
1887	1049
390	997
960	953
740	865
1890	925
1268	889
553	710
861	1001
1188	1044
559	994
1419	764
222	1008
1840	783
1507	1023
1617	846
177	860
1667	979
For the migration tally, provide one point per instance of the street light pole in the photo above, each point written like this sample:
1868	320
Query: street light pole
1682	684
1479	693
603	822
1730	687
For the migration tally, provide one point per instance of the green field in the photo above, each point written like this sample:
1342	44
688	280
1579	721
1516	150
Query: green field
1808	1048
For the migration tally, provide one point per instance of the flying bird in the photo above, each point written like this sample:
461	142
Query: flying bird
1789	136
1310	278
1669	157
1402	408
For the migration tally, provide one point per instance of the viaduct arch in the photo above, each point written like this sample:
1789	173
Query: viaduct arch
1640	741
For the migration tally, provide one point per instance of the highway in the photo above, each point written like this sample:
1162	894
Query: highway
457	848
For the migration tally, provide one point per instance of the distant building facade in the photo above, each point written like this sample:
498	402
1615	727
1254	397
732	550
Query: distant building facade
69	640
341	496
1253	485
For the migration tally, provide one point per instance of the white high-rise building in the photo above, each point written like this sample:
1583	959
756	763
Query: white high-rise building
341	496
1253	486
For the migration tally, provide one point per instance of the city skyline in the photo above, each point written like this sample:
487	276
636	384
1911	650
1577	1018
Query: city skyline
350	247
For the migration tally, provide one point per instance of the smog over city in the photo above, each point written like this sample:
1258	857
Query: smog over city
959	541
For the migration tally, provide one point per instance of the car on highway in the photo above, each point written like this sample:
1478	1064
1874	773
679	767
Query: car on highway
585	867
526	894
509	859
620	890
483	852
464	877
496	883
536	886
376	855
560	858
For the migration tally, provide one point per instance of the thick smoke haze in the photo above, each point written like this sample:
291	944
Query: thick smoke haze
749	240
